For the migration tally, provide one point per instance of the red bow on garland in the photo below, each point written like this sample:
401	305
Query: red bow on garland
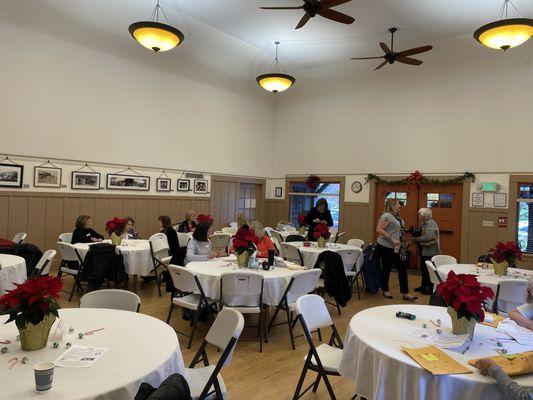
414	180
312	182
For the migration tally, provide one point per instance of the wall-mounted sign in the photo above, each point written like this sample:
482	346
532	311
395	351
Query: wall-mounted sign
502	222
500	200
478	199
490	186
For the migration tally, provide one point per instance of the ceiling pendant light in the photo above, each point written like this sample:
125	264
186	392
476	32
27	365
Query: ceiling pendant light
505	33
276	81
155	35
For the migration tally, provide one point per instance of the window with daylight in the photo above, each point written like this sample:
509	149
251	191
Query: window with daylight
303	198
442	200
401	196
525	217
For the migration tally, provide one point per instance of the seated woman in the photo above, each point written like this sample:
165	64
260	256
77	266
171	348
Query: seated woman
523	315
199	247
241	220
172	237
265	244
189	223
511	389
84	232
130	232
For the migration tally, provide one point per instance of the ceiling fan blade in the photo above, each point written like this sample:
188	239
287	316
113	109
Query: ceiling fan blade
408	60
333	3
336	16
281	8
385	48
303	21
381	65
416	50
365	58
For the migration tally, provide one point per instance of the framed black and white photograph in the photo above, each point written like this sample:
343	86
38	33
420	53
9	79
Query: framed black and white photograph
11	175
47	177
200	186
128	182
163	184
184	185
85	180
278	192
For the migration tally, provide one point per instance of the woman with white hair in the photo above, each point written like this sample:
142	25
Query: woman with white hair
429	241
523	315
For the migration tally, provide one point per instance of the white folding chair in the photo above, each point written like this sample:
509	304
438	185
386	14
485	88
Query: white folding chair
277	235
291	253
326	358
20	237
229	230
160	253
333	235
66	237
114	299
277	246
44	264
243	291
356	242
301	283
220	241
70	255
510	294
434	275
183	239
349	259
206	383
190	295
442	259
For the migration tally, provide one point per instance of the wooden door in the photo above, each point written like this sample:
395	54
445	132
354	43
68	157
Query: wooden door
445	201
223	202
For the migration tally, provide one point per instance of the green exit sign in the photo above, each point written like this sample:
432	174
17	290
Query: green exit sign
489	186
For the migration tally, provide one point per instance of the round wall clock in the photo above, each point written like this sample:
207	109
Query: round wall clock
357	187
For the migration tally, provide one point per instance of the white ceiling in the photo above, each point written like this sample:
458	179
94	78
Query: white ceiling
235	37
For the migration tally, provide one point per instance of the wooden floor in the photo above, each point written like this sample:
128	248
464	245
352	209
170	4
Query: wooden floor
272	374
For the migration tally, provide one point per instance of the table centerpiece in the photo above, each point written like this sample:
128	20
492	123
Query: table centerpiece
503	256
244	245
321	234
302	223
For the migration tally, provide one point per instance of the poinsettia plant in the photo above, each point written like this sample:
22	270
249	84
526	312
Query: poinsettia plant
321	230
509	252
245	240
116	225
32	300
465	295
302	219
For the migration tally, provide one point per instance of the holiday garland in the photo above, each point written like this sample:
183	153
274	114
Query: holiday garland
417	179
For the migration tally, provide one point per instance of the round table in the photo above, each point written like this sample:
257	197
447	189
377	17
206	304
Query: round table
13	271
140	349
310	254
136	253
374	360
208	272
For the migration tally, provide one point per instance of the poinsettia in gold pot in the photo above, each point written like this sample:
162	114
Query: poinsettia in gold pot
33	306
302	223
244	245
321	234
503	256
464	297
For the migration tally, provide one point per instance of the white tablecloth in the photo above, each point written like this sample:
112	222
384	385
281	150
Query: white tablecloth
275	280
13	271
141	349
373	358
310	254
136	253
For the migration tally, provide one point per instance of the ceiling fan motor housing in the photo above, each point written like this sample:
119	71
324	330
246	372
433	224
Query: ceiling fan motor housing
311	9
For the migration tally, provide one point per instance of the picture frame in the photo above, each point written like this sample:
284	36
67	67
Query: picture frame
11	175
500	200
478	199
85	180
128	182
163	185
183	185
278	192
200	186
49	177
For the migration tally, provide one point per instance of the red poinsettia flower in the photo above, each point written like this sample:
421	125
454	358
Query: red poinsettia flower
321	230
302	219
465	295
509	252
116	225
244	239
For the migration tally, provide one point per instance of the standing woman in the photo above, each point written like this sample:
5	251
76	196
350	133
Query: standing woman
318	215
392	248
429	241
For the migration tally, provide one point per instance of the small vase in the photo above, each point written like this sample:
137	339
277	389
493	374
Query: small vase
321	242
242	259
301	230
34	337
461	326
500	269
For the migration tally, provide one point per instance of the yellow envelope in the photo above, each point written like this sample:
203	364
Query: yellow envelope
512	364
436	361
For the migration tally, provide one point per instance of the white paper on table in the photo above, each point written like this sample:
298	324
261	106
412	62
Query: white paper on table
449	341
422	333
519	333
80	356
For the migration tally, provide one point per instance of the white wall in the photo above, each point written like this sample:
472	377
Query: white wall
59	99
270	189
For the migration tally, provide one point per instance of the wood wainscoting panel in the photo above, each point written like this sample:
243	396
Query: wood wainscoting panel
357	222
274	211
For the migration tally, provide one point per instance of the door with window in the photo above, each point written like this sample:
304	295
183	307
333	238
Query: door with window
445	202
303	198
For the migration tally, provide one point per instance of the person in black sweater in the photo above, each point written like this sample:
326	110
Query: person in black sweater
172	236
84	233
318	215
189	223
